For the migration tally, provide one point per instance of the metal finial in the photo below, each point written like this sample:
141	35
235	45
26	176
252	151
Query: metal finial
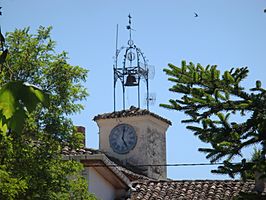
130	41
129	19
129	22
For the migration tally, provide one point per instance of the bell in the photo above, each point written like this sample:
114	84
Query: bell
131	80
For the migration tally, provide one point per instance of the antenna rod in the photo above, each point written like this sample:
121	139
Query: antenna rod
2	39
148	96
115	67
116	45
138	94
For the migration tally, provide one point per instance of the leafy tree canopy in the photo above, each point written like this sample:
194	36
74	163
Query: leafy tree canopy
32	136
211	99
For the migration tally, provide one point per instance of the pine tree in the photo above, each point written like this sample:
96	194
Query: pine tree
211	100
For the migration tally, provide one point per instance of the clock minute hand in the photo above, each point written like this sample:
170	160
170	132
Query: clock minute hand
123	137
123	133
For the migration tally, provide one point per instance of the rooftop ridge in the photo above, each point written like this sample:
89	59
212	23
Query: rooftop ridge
132	111
88	153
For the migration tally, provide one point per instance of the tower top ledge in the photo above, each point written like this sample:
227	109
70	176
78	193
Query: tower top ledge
132	111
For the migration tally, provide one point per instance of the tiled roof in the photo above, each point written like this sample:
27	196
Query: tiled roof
144	188
132	111
132	172
129	173
72	152
189	190
132	176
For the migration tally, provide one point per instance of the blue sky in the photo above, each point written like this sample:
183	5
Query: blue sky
226	33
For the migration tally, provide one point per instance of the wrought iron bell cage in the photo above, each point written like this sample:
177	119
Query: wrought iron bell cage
130	68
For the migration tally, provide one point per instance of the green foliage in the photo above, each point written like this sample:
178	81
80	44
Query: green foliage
10	187
32	136
17	98
210	99
256	157
250	196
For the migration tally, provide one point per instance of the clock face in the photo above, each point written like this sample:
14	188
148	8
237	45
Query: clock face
123	138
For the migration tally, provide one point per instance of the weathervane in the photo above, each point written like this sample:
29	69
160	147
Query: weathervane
130	67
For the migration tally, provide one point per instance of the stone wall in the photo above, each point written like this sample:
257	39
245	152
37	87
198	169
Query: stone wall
150	148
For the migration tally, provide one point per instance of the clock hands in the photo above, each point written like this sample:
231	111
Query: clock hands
123	134
122	138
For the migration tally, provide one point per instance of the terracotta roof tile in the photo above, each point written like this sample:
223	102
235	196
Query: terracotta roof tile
190	190
132	176
71	152
144	188
129	173
132	111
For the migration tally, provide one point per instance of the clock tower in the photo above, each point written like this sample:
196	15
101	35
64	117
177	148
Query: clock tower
135	137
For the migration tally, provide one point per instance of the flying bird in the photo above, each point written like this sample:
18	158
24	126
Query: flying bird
265	10
196	15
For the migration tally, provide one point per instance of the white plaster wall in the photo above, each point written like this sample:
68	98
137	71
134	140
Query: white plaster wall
100	186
